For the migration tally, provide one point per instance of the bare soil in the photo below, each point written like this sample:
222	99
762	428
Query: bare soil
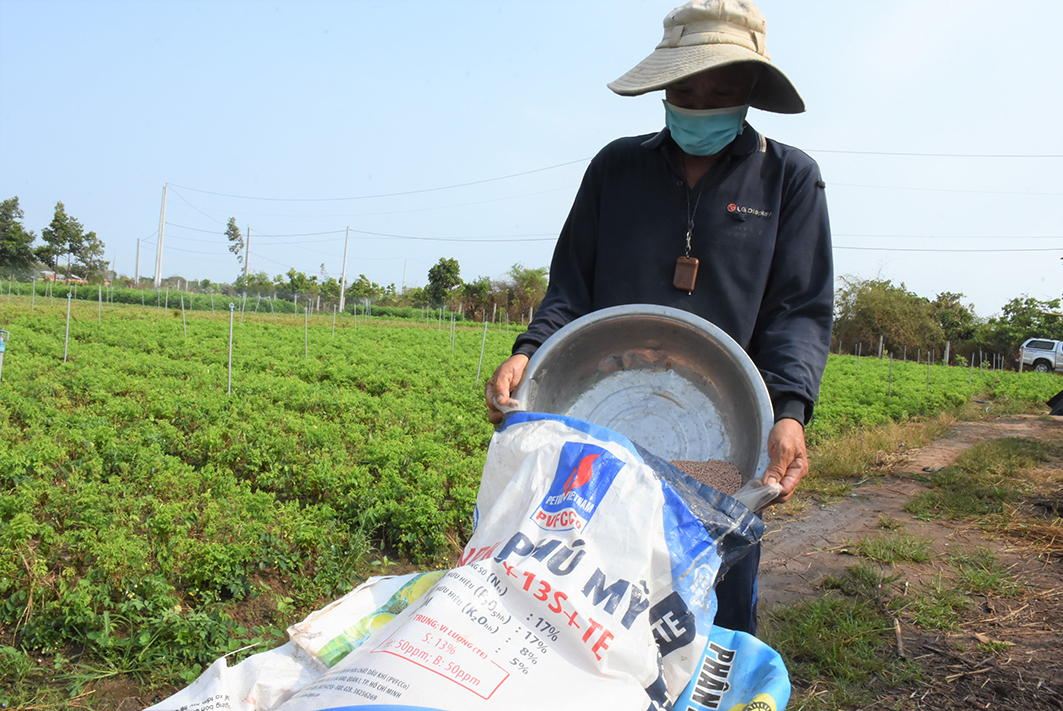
810	541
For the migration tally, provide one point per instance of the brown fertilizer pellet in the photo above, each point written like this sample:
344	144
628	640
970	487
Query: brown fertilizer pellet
722	476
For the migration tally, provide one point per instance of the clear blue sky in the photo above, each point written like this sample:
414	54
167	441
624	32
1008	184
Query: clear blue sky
102	103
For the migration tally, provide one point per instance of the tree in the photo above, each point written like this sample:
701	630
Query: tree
362	288
1021	318
478	294
956	320
90	258
236	240
300	283
254	283
527	287
330	289
866	309
16	244
66	240
443	278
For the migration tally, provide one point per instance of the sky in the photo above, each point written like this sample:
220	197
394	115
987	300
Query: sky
468	125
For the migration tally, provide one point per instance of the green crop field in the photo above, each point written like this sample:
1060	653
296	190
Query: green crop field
151	522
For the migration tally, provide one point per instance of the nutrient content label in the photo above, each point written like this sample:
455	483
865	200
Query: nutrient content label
435	646
485	632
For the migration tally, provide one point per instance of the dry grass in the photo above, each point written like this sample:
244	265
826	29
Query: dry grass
860	452
1043	534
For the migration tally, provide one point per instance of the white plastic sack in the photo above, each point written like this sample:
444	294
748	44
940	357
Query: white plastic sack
588	581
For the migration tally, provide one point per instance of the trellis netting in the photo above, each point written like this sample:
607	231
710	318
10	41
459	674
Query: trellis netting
588	581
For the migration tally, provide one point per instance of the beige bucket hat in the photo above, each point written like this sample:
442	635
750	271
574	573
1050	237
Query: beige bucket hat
705	34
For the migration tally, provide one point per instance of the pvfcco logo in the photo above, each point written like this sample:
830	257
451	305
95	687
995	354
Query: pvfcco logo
583	477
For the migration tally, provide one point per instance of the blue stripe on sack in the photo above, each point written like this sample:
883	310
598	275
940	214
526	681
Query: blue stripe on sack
603	434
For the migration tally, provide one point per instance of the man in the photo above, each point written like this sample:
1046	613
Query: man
711	217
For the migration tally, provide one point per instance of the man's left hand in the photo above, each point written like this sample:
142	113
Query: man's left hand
789	460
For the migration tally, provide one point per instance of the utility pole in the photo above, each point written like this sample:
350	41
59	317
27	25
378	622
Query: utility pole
247	254
404	275
137	274
343	275
157	282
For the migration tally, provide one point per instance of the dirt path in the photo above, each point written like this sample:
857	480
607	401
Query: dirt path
803	548
800	550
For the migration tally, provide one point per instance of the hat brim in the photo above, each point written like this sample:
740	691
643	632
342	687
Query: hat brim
667	65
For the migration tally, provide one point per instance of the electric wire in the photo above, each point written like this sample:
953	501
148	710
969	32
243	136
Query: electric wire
197	209
942	190
1006	237
930	249
386	195
936	155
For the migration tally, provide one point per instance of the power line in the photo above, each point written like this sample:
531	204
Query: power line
384	195
900	249
348	215
1005	237
261	234
189	251
934	155
536	237
941	190
196	208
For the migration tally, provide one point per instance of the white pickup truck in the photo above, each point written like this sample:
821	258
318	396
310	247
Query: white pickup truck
1042	354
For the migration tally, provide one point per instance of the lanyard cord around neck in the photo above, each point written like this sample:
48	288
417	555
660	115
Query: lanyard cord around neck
691	215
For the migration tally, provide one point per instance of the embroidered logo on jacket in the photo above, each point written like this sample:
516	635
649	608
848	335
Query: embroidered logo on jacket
747	210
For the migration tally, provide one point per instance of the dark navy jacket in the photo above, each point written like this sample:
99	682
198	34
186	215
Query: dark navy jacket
761	234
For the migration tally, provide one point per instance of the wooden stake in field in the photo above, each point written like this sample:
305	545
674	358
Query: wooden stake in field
212	302
306	331
482	344
889	390
232	312
453	321
334	311
66	343
183	321
167	299
33	294
3	347
928	359
99	296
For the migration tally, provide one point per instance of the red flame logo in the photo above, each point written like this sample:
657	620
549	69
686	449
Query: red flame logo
732	207
581	474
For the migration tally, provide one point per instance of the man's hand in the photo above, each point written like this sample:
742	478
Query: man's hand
502	383
789	460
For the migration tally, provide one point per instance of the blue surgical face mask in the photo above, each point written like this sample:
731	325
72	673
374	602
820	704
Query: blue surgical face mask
704	132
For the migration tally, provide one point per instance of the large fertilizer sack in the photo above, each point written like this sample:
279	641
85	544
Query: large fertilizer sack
588	581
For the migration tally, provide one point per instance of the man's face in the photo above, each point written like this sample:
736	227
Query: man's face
713	89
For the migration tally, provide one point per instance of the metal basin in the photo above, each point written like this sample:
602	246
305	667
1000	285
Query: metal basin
664	378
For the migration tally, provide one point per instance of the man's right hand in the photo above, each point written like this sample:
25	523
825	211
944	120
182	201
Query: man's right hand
502	383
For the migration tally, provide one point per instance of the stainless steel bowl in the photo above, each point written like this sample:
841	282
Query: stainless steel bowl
666	379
